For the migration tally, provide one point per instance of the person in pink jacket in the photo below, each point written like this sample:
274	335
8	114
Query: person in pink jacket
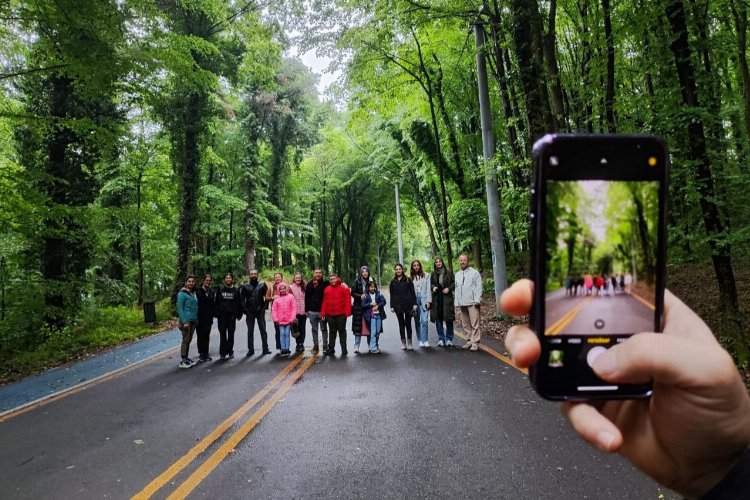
298	290
284	313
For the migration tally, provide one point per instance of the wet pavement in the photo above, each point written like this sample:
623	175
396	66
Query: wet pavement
427	423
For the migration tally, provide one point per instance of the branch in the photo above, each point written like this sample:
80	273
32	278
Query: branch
4	76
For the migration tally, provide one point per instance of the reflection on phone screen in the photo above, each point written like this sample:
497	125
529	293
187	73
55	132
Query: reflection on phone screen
601	257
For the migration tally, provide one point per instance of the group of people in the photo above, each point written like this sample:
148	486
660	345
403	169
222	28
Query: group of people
327	304
597	285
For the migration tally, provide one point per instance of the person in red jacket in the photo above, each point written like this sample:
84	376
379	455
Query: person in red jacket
337	306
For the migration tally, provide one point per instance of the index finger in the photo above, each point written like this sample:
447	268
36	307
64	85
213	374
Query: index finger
517	299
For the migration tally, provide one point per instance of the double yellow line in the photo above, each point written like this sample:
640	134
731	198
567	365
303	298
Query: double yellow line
561	323
229	445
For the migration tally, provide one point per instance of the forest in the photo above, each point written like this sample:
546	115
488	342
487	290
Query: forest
601	228
145	140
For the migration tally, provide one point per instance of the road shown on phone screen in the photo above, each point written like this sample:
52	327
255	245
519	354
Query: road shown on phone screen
604	314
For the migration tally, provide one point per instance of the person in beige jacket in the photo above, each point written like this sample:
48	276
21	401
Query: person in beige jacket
468	298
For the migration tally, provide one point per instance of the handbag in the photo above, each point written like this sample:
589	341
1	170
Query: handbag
365	328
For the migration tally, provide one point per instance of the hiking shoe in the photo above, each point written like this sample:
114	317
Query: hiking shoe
474	347
185	364
440	343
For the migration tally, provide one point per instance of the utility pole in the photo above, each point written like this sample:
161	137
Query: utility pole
398	225
490	176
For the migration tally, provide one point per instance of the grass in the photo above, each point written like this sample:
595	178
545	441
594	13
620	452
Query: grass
97	330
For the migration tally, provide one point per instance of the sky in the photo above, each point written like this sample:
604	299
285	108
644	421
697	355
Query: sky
319	66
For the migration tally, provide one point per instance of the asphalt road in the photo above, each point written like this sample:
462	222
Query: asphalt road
428	423
597	315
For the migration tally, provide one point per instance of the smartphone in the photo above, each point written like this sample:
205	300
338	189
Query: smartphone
598	227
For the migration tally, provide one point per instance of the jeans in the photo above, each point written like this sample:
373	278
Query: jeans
376	323
187	330
285	333
301	320
204	333
404	323
443	335
251	318
336	324
314	322
227	325
422	321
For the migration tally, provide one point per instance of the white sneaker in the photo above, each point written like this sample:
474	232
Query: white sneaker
185	364
426	343
449	343
421	344
440	343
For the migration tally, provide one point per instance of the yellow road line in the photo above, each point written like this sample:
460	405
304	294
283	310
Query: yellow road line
230	444
494	353
199	448
644	301
561	323
38	403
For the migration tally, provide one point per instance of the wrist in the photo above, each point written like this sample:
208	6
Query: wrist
729	482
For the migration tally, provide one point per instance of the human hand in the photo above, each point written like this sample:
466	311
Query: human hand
428	305
446	291
435	289
362	296
696	424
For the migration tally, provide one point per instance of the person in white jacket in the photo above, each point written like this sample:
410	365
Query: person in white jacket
421	282
468	298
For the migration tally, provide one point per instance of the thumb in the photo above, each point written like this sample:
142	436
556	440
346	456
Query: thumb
662	358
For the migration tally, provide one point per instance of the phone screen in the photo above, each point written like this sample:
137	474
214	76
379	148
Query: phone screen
599	257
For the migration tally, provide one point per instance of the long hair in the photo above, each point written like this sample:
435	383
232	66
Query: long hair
411	270
302	280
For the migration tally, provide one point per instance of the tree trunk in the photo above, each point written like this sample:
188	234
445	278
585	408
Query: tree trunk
139	239
609	99
739	12
189	184
549	44
530	63
731	318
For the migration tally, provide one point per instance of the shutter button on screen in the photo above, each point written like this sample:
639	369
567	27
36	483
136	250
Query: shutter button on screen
593	354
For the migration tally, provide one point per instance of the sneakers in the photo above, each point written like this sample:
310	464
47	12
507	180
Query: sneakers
223	357
467	345
403	345
300	348
186	363
329	352
421	344
448	343
344	352
250	353
203	359
408	345
440	343
231	356
426	343
375	351
266	351
474	347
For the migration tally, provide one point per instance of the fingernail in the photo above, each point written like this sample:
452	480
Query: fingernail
605	363
604	441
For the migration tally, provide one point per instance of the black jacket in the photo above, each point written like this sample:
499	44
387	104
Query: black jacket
403	297
253	297
205	305
228	302
314	296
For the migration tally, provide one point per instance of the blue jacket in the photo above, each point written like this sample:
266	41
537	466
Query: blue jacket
367	310
187	306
